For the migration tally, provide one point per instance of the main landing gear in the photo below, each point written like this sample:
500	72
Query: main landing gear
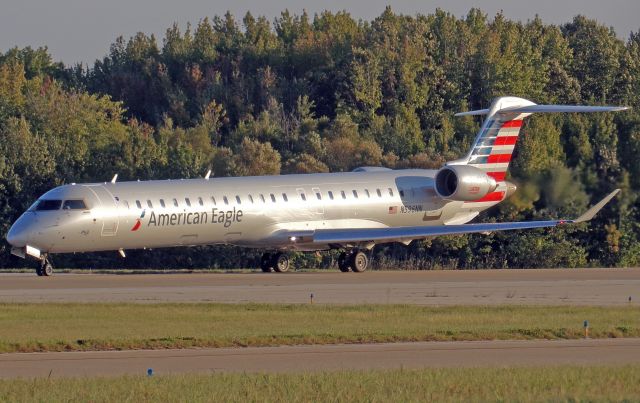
278	262
353	260
45	268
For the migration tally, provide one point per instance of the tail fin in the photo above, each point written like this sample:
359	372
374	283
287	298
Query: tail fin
494	144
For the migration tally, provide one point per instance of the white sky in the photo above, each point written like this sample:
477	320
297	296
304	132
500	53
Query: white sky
82	30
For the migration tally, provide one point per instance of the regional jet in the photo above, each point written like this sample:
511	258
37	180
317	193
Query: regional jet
350	211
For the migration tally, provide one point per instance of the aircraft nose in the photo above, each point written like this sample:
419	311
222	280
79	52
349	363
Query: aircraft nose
18	234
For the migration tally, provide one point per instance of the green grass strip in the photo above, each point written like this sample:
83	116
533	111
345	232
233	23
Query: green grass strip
557	384
73	326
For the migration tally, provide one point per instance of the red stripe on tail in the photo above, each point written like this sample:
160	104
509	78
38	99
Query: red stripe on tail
506	141
498	158
512	123
498	176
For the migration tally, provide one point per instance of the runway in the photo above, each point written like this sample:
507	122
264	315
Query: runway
324	358
459	287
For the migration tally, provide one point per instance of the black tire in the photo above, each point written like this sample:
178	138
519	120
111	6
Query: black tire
281	262
265	263
359	261
343	262
47	269
39	271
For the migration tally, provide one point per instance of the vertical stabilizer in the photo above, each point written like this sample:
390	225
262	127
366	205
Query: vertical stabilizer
493	147
494	144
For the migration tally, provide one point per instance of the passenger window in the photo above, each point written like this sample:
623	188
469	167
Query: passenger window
366	191
330	195
318	196
186	200
303	197
200	202
238	199
149	204
379	192
162	203
390	192
251	198
74	205
175	202
344	196
284	197
273	198
213	200
138	204
226	201
355	194
262	198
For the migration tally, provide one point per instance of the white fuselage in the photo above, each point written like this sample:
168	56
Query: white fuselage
247	211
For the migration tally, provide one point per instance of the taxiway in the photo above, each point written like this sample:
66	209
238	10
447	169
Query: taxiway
453	287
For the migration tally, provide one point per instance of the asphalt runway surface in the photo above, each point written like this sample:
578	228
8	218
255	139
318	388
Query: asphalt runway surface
460	287
324	358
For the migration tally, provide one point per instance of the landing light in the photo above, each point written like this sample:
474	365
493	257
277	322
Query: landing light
292	238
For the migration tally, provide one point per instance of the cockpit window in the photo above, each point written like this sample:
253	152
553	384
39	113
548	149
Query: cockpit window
45	205
74	205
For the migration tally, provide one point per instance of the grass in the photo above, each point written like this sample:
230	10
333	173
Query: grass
103	326
565	383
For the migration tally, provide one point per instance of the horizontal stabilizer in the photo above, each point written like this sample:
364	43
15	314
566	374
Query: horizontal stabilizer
402	234
473	113
562	109
547	109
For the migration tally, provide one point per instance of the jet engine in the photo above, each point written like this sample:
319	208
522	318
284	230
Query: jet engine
463	183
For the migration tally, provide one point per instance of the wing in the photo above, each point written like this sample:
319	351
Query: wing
407	234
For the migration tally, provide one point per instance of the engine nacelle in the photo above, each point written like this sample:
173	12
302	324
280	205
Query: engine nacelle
463	183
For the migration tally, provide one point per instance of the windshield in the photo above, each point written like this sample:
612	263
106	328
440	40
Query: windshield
45	205
74	205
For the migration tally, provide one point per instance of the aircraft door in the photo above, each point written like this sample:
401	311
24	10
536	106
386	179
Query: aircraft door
108	211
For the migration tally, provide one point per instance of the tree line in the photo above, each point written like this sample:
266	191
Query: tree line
329	93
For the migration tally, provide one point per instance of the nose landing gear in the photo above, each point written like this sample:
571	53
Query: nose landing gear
45	268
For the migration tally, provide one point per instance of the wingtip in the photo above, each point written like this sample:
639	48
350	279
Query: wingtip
589	214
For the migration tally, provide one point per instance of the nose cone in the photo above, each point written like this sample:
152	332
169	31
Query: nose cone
18	235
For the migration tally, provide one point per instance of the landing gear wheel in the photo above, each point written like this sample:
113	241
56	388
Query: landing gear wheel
265	263
281	262
343	262
359	261
46	268
39	271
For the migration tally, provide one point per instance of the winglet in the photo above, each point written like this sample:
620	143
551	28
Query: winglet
207	175
589	214
114	179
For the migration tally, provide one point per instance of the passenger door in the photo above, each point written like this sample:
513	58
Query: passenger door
109	210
